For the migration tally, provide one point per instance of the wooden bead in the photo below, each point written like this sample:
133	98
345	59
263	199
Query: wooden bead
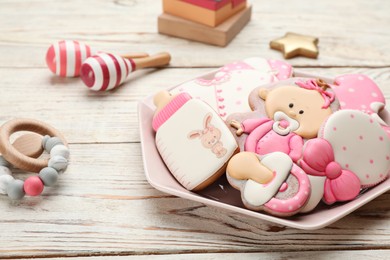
15	190
33	186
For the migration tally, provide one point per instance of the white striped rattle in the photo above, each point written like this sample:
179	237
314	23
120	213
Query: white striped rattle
64	58
103	72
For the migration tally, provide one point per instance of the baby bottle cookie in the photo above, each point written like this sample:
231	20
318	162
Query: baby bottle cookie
193	141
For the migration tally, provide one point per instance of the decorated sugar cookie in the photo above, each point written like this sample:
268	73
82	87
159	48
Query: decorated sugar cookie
294	113
339	183
283	193
359	92
360	145
227	89
193	141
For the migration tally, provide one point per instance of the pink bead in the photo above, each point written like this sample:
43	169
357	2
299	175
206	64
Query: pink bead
33	186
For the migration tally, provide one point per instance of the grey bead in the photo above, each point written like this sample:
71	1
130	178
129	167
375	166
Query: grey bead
4	162
15	190
44	140
53	141
58	162
5	170
4	181
60	150
49	176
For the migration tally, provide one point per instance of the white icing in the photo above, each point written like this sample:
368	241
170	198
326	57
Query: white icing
292	123
317	191
360	145
187	159
231	95
256	194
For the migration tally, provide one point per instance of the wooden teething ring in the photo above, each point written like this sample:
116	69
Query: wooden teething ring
12	155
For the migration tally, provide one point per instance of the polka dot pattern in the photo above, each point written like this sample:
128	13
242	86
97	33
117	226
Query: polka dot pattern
227	89
282	69
357	91
297	200
359	144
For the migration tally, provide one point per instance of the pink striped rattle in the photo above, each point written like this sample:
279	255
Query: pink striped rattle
64	58
103	72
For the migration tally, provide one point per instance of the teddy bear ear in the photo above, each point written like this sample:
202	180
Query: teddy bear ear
263	93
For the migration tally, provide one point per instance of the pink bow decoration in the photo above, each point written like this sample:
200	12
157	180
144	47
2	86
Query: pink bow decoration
318	160
312	84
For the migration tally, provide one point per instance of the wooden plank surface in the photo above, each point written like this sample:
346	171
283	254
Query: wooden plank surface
352	33
103	205
368	255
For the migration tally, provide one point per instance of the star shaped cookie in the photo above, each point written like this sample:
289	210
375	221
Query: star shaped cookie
293	44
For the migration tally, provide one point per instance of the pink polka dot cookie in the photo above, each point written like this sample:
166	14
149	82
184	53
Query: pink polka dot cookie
227	89
359	92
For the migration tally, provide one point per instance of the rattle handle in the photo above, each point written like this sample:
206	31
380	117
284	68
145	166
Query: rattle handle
135	55
156	60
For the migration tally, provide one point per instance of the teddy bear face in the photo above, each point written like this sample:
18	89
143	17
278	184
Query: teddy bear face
296	108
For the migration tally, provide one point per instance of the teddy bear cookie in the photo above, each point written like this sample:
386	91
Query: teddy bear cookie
300	118
227	89
193	141
293	114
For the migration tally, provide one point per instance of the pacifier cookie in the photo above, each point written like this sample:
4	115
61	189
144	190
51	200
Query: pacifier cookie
270	183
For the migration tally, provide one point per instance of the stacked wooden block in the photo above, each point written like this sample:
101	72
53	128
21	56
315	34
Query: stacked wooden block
214	22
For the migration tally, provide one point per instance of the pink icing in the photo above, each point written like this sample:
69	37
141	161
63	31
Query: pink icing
311	84
170	109
298	200
318	160
283	69
239	65
357	91
387	130
263	140
283	187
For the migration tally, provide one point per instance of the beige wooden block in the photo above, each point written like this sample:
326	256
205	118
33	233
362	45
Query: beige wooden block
220	35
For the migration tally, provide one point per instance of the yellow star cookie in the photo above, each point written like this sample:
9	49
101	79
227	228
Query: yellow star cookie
293	44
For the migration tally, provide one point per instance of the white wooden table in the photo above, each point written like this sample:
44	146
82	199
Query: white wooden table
103	206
